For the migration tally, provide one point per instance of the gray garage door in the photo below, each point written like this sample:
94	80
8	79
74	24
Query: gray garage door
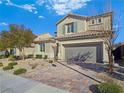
86	52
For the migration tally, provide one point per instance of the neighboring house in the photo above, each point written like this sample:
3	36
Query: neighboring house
27	51
119	51
15	51
44	45
80	38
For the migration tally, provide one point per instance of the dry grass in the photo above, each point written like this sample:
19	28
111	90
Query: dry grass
104	77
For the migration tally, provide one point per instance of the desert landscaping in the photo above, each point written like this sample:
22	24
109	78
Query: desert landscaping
59	76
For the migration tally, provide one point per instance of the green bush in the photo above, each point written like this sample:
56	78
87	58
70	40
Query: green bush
20	71
7	54
50	61
12	58
1	56
45	57
109	88
30	56
12	63
39	56
7	67
1	64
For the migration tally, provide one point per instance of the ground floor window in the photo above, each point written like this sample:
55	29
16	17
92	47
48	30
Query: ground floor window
42	47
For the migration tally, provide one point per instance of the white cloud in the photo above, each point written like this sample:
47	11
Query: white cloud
35	12
40	2
48	7
41	17
0	2
62	7
28	7
66	6
3	24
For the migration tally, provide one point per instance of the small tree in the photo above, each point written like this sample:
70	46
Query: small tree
4	40
18	37
111	37
109	45
109	41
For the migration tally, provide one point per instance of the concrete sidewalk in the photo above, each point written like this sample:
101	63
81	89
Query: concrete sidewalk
14	84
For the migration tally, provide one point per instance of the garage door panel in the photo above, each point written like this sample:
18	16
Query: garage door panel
83	53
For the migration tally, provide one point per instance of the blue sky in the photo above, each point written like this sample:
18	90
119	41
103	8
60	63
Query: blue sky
41	15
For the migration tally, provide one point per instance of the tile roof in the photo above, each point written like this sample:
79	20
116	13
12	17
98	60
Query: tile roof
47	40
46	35
43	38
86	34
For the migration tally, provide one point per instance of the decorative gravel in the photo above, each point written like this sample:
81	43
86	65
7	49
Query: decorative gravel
61	77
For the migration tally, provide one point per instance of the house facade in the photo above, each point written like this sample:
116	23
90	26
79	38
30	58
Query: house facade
44	45
80	38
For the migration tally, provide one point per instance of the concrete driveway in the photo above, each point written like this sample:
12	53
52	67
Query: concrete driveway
14	84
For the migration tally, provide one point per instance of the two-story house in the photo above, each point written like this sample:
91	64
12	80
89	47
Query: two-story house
80	38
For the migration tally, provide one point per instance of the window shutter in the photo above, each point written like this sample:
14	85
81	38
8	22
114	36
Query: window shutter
44	47
75	27
63	29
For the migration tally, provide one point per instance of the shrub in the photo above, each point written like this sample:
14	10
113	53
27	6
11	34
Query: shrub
12	63
50	61
1	56
109	88
7	54
30	56
20	71
7	67
39	56
12	57
33	65
45	57
54	65
18	58
1	64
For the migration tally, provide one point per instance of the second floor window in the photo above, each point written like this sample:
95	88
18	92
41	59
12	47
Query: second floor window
42	47
99	20
69	28
93	22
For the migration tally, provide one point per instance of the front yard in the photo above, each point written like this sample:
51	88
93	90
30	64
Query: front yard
58	75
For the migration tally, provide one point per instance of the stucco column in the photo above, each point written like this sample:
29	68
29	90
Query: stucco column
59	51
105	54
62	52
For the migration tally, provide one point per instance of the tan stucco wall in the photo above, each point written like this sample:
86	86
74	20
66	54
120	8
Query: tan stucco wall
104	25
86	24
81	25
61	54
49	51
27	51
